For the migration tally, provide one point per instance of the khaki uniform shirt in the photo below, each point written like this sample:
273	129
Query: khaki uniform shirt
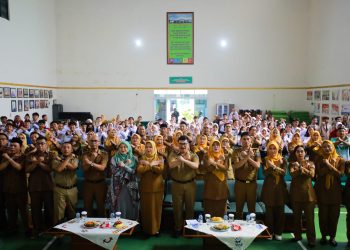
183	172
93	174
65	178
247	172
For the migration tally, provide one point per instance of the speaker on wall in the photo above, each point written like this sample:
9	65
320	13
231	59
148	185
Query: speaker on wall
56	109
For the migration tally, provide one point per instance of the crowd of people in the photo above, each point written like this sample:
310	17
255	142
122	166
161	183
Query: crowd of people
41	159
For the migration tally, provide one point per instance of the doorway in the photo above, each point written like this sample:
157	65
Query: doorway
187	102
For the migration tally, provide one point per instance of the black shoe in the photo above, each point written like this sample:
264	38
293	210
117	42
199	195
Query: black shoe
295	239
332	242
323	241
348	245
176	234
311	244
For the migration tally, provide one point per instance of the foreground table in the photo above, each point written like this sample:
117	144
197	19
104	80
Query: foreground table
93	238
227	239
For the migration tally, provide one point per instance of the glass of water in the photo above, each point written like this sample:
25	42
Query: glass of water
231	217
83	216
225	218
207	218
118	215
252	218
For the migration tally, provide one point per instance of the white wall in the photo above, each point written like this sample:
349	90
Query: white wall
109	102
266	42
28	47
328	42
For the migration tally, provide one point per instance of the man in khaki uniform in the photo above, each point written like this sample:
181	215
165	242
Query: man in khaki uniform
183	172
95	187
65	178
246	164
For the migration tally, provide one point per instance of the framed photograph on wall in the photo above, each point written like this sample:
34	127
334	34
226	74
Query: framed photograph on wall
13	106
325	108
7	92
31	104
345	109
335	109
26	105
345	95
20	105
325	95
31	93
37	104
42	104
19	93
25	93
309	95
1	93
41	93
180	37
36	93
50	94
317	95
13	93
46	104
46	94
335	94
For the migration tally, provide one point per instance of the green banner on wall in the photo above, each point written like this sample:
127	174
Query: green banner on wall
180	79
180	37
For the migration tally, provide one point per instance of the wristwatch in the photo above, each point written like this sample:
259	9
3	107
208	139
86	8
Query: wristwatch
92	164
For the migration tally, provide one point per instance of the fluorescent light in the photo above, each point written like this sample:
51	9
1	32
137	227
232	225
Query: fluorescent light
223	43
138	42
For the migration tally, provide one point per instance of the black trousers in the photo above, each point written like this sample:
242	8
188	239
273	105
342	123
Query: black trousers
42	200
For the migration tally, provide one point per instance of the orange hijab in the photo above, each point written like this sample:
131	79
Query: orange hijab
274	158
160	147
216	156
140	147
175	136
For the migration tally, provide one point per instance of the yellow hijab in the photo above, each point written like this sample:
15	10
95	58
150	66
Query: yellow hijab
24	142
199	144
216	156
274	158
332	156
312	141
277	138
153	155
295	142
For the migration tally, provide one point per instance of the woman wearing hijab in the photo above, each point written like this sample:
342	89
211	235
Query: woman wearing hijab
313	146
329	168
138	149
274	190
111	143
123	193
296	141
302	195
150	170
228	152
201	149
276	136
215	192
175	144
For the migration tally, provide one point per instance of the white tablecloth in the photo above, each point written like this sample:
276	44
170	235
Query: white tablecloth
104	237
237	240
